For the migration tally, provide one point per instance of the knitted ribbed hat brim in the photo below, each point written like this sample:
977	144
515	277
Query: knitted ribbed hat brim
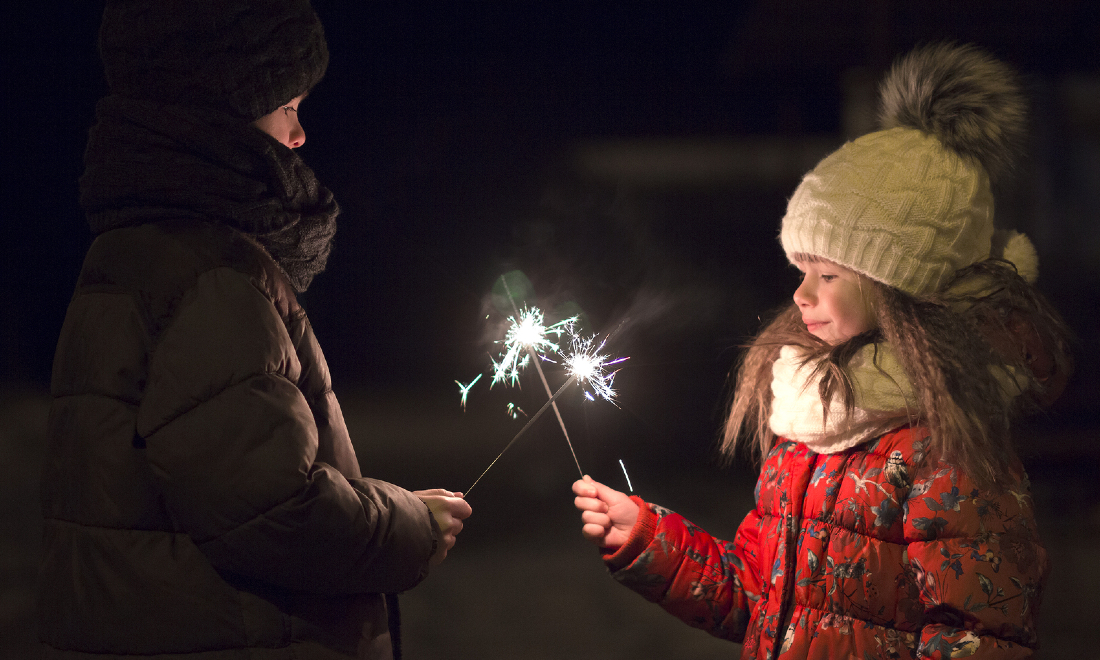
896	206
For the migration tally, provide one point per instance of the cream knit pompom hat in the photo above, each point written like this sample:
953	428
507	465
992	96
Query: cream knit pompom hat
911	204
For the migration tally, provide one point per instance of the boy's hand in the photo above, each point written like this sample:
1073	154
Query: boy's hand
607	514
449	510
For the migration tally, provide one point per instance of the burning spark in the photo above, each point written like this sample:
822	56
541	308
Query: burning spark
465	390
527	336
589	366
515	411
626	475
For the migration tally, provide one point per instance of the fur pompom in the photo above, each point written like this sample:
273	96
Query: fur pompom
1017	249
963	96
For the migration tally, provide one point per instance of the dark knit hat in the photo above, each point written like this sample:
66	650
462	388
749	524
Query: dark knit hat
243	57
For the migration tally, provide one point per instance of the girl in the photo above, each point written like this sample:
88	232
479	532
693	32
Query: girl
892	516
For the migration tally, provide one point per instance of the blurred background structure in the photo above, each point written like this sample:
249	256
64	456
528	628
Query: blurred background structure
631	158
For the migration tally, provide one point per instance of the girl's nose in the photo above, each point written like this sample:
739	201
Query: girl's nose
804	294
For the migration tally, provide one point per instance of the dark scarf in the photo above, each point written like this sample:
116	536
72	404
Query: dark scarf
147	162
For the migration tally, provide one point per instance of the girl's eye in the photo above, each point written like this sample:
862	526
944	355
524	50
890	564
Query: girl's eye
828	278
287	110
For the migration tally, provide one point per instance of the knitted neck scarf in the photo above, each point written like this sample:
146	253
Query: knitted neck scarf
884	400
147	162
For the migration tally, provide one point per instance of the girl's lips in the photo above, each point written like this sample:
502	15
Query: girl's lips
813	325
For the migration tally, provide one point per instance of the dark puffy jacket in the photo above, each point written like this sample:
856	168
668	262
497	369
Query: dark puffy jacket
858	554
201	495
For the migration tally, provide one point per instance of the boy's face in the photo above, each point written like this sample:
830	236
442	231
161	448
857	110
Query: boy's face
832	301
282	124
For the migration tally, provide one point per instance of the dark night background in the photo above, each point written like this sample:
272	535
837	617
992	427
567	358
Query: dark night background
631	158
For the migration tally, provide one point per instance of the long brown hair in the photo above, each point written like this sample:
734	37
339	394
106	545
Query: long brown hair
959	348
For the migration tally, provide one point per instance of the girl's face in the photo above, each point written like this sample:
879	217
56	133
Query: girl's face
833	304
282	124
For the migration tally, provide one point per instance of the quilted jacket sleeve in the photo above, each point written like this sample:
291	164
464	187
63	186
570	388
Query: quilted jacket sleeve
706	582
233	444
978	567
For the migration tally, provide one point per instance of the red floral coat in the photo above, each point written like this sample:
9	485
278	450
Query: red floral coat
858	554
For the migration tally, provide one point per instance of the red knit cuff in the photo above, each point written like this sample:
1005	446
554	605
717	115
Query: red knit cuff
641	535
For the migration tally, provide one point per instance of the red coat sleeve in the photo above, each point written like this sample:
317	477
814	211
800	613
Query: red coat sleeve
706	582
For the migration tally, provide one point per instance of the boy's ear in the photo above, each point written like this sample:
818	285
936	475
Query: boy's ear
1040	359
1019	341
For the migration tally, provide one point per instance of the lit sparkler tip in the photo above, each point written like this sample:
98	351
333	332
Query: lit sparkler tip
589	365
527	336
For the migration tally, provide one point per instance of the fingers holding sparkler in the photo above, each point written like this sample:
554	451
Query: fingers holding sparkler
449	510
607	514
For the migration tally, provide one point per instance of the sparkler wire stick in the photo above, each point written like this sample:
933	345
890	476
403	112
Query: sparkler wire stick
526	426
545	385
554	405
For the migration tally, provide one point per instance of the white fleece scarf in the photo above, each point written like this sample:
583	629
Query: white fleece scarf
884	400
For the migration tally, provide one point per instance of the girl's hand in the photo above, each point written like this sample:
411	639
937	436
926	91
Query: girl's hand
607	514
449	510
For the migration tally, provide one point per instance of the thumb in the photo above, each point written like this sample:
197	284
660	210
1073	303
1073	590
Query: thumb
607	494
430	492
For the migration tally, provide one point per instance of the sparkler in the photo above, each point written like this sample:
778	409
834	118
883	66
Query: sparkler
586	364
530	333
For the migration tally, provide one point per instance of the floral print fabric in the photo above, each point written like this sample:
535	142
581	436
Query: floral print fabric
870	553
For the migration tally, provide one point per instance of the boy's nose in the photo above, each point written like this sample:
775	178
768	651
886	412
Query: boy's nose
297	135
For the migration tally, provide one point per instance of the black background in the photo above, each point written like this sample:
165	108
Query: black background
451	134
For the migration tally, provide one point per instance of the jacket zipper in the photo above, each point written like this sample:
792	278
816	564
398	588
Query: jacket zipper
797	497
786	611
